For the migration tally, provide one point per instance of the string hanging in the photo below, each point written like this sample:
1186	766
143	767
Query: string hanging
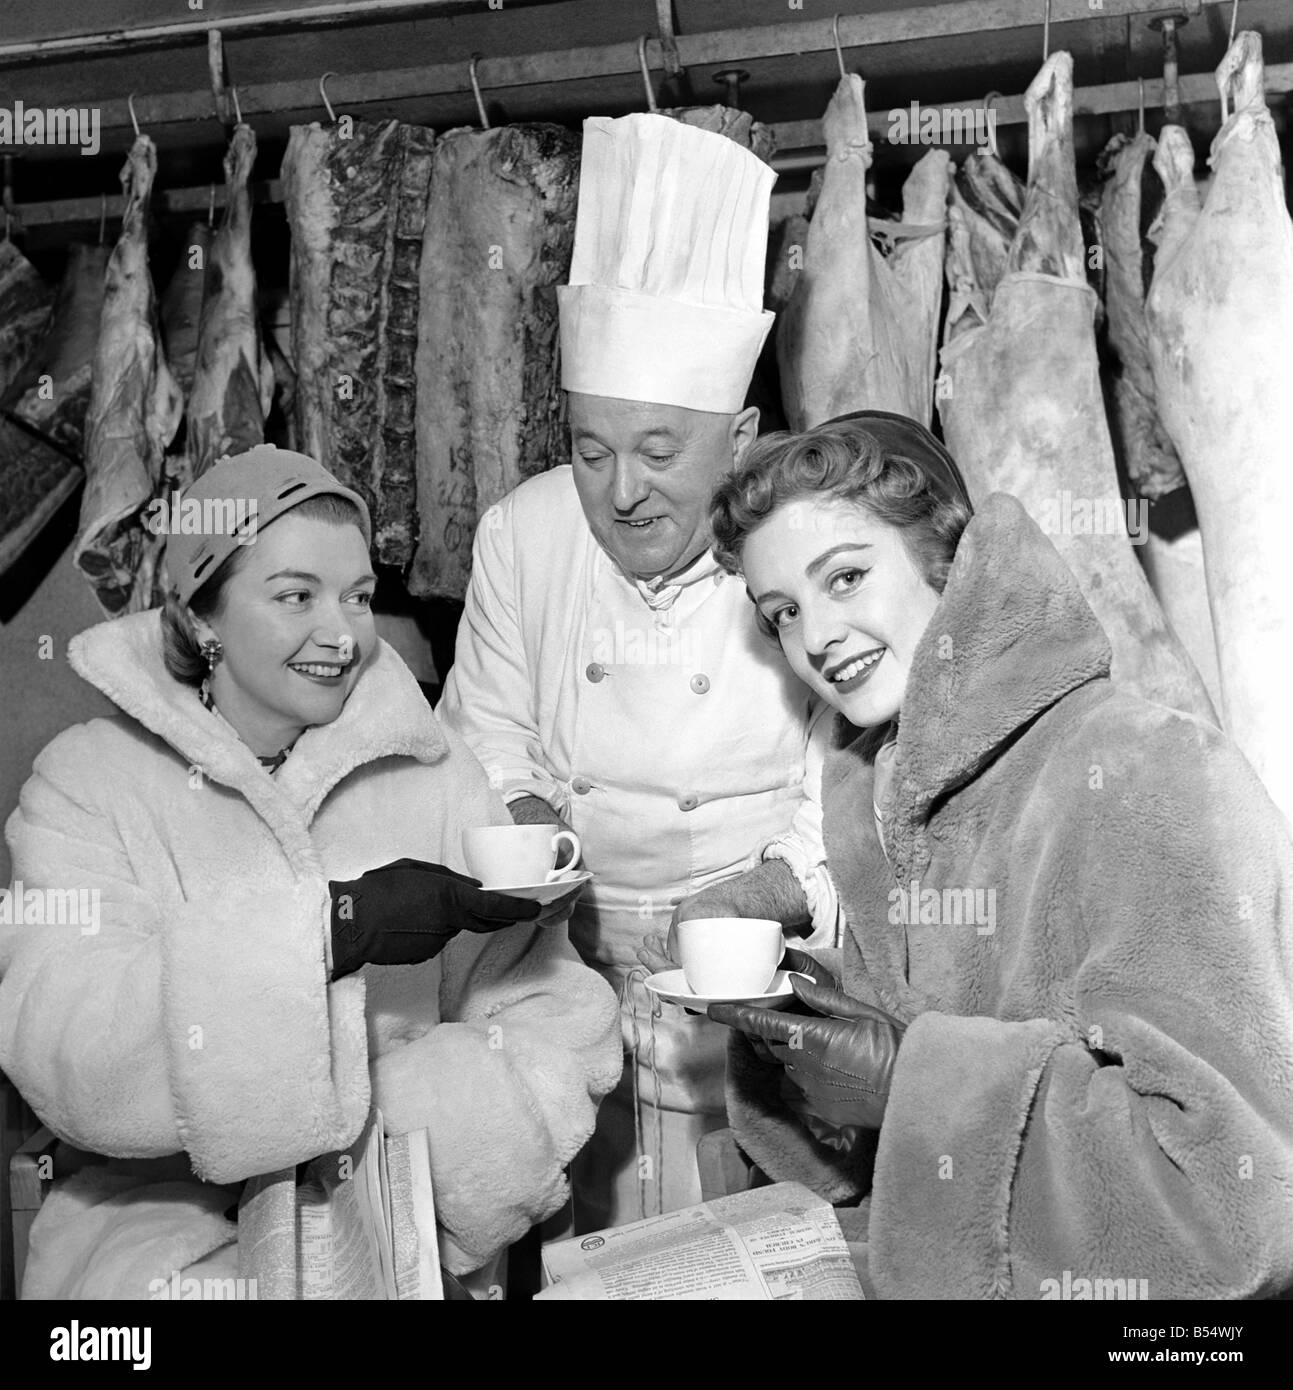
627	1001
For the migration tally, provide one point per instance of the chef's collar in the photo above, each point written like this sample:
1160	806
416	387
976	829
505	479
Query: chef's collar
660	596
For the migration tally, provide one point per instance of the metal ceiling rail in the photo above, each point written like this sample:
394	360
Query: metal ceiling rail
255	22
723	47
798	142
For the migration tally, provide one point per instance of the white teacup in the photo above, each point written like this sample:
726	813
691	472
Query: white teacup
517	856
729	957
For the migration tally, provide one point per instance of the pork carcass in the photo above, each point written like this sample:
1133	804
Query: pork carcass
356	198
861	329
135	408
1220	316
52	392
1022	409
26	302
233	381
499	236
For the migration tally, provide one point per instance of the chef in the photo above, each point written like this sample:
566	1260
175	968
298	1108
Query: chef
608	673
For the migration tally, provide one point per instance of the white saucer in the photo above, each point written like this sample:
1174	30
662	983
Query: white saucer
545	893
671	985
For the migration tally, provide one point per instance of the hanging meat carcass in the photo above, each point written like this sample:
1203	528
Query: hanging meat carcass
181	306
989	200
52	392
135	408
861	330
1220	316
1151	461
499	236
727	121
233	381
1130	201
40	451
1022	409
356	196
26	303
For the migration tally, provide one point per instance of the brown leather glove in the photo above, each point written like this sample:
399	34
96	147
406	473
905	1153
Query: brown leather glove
840	1062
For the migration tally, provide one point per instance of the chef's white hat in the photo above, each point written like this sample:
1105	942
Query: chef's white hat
665	301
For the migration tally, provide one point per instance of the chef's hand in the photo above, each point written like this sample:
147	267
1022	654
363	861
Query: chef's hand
533	810
408	911
659	950
840	1062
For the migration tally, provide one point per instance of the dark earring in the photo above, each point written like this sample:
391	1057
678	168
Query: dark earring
212	651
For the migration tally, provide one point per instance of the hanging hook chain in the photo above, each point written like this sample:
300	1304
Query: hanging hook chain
475	87
1234	15
134	120
237	109
1046	33
839	52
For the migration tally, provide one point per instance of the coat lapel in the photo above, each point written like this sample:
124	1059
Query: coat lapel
1012	635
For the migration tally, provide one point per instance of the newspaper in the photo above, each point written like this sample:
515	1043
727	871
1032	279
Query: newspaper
778	1242
366	1221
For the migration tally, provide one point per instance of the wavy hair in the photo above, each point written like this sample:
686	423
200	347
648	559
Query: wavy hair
842	461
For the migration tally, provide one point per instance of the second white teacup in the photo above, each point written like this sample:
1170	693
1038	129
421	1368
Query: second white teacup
729	956
517	856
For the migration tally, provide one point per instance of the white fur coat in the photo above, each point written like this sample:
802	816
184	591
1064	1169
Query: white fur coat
198	1016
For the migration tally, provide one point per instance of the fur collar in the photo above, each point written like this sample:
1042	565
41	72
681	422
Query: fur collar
386	715
1011	636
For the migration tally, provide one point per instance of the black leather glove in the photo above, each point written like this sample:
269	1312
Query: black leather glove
840	1063
800	962
408	911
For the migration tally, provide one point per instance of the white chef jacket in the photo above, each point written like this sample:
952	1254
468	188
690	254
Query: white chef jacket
673	740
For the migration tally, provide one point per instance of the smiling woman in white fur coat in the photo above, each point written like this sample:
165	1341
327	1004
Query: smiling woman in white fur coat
261	970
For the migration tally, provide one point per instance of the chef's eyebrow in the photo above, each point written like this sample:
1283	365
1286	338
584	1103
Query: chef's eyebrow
309	578
657	432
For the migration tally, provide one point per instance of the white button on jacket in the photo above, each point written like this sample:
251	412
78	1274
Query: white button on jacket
669	793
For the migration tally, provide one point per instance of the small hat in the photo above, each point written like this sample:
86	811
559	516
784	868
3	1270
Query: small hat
239	496
665	301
